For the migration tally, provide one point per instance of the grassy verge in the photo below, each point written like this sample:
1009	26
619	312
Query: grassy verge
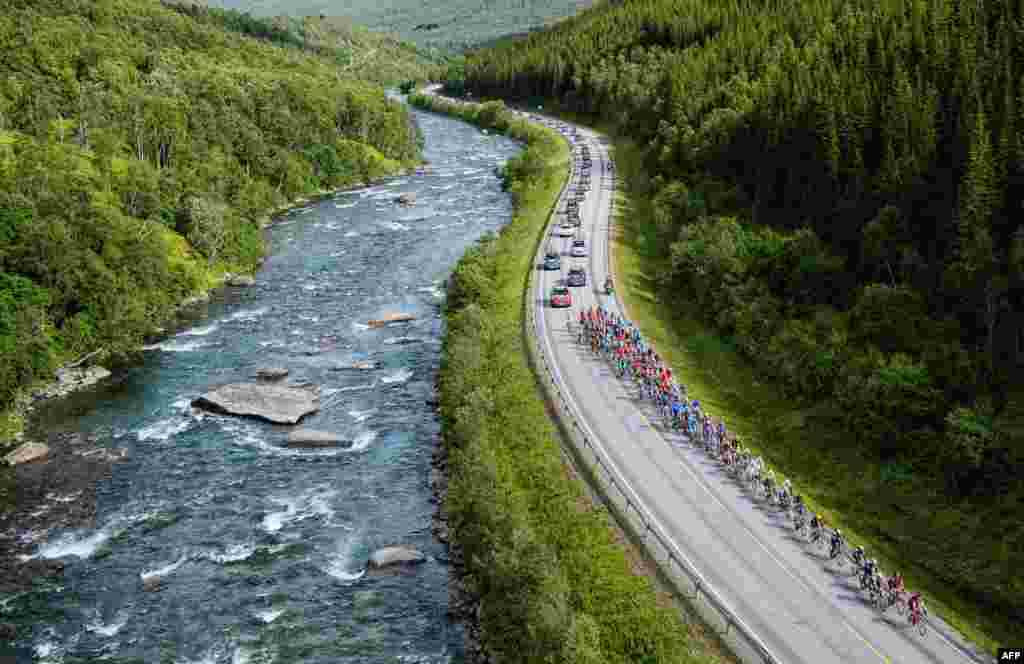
906	522
555	584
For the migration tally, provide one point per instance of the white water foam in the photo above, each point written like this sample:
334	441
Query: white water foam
394	226
97	626
69	545
232	553
199	331
345	206
403	341
177	346
165	570
360	326
248	314
310	504
164	429
399	376
362	415
45	649
339	564
362	441
358	388
270	615
350	234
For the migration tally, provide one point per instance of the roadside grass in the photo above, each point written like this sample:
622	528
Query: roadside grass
903	520
555	580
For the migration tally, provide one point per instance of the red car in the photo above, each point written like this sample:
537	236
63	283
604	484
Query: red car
560	297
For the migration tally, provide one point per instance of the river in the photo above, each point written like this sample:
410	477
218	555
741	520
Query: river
261	547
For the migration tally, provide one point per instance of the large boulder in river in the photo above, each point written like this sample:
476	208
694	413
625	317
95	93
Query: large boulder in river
314	438
26	453
392	556
266	401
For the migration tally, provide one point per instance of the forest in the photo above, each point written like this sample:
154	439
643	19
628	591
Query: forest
837	190
440	27
141	148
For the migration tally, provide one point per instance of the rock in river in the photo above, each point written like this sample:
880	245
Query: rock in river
27	452
265	401
313	438
390	318
408	198
240	280
391	556
271	373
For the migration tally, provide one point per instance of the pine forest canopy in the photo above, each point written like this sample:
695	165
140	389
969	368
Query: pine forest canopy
859	233
451	25
139	147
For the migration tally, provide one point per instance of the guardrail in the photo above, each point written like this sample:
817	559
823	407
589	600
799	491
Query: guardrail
726	615
676	566
687	580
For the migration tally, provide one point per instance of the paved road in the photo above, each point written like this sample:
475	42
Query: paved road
800	608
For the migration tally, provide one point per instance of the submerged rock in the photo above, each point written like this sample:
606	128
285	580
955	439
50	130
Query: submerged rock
391	556
314	438
265	401
27	453
271	373
151	583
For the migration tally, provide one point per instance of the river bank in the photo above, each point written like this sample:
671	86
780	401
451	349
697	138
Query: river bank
545	572
66	382
58	491
245	531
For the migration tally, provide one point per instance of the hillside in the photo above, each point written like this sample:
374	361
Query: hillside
836	188
358	51
451	26
139	150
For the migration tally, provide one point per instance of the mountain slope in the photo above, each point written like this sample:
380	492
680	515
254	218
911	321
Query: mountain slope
452	25
139	148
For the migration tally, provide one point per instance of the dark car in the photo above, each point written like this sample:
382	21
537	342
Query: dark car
577	277
552	261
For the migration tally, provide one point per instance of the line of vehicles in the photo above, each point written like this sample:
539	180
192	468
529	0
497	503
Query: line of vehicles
571	225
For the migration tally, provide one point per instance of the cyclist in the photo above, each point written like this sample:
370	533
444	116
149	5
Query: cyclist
769	484
836	544
816	525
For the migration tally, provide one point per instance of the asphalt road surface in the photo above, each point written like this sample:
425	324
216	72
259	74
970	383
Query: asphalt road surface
798	604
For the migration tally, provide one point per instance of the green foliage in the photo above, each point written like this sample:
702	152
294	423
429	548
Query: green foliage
450	26
839	146
24	335
555	587
126	127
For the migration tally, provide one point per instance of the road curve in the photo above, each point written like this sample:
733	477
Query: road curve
802	610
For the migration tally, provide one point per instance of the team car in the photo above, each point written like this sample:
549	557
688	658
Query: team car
561	297
577	277
552	261
579	248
